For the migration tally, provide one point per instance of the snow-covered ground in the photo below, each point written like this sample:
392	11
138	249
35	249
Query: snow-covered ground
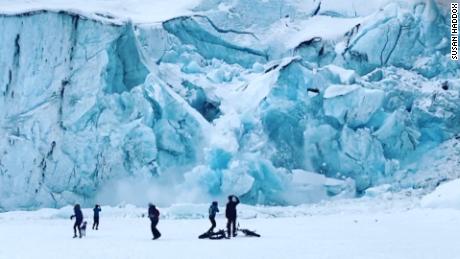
391	226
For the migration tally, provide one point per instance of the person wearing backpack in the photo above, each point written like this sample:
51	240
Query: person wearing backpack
154	215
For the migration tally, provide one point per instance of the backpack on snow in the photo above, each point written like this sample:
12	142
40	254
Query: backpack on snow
249	233
213	235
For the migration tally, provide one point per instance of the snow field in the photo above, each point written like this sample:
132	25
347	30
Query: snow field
398	225
417	233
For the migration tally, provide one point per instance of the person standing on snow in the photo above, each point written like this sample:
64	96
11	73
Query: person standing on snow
213	209
154	216
230	214
96	211
78	215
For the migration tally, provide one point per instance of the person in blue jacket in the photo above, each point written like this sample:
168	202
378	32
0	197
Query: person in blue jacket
78	215
213	209
96	211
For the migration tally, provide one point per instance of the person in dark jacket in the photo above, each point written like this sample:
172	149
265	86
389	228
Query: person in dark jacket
96	211
213	209
78	215
154	216
230	214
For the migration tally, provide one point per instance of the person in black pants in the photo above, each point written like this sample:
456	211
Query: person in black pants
78	215
96	210
154	216
213	209
230	214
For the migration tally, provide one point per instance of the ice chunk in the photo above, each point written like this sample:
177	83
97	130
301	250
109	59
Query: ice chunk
345	76
397	135
339	90
209	45
352	104
361	152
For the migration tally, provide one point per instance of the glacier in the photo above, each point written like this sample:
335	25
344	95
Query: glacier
278	101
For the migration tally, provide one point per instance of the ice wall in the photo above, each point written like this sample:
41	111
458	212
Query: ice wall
75	112
296	102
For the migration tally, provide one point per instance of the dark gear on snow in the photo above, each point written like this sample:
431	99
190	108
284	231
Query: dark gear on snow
83	229
213	235
248	232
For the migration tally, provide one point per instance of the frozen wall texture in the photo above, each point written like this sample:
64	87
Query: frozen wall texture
280	102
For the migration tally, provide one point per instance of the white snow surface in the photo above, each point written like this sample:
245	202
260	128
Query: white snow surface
317	26
384	227
139	11
447	195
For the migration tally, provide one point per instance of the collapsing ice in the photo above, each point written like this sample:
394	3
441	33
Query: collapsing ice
262	106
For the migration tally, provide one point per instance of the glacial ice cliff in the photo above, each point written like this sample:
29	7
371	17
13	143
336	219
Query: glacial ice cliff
278	101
